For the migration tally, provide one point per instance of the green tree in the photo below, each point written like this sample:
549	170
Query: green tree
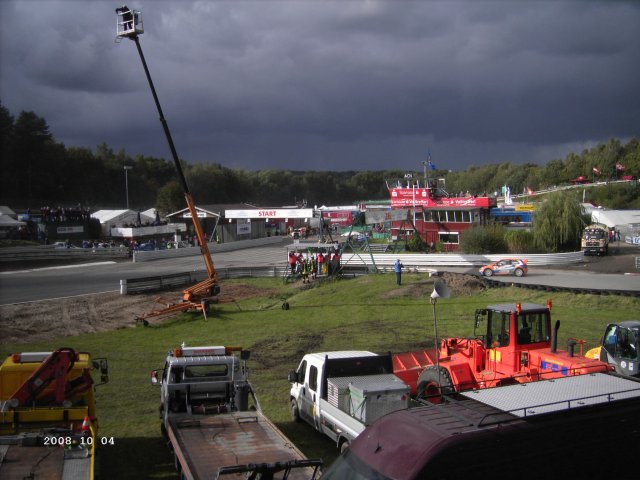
416	244
170	198
519	241
558	223
483	239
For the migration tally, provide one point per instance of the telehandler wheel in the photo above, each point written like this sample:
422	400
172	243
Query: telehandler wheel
295	411
432	387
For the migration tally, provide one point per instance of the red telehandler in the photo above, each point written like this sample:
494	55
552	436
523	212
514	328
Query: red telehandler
517	346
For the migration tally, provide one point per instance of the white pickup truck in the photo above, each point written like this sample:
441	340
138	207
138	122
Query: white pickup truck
340	393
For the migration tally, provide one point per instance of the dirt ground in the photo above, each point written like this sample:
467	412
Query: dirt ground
621	259
37	321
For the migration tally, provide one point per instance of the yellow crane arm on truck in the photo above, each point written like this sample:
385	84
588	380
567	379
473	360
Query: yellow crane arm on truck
48	419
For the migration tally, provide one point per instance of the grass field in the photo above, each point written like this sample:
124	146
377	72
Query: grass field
369	313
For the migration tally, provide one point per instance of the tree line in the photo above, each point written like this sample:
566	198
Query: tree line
38	171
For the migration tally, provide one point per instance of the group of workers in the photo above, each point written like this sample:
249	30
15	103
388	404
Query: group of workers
310	265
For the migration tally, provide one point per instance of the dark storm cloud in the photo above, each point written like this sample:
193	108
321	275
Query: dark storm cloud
330	85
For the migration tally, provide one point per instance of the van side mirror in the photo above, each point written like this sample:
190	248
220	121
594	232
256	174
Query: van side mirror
292	377
245	354
154	378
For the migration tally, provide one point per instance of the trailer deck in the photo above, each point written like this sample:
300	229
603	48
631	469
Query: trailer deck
209	443
535	398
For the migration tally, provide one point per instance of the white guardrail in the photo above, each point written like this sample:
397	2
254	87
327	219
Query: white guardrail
50	252
418	262
146	256
351	262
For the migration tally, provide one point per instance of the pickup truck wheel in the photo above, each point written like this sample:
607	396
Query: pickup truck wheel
295	411
432	387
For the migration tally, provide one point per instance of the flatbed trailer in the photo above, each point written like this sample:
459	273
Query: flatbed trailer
215	446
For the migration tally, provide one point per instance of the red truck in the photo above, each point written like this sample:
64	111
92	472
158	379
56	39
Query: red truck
516	345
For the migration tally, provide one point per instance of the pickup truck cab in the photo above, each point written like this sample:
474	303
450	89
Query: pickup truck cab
340	393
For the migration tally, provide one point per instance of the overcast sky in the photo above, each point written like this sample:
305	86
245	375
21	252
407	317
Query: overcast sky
330	85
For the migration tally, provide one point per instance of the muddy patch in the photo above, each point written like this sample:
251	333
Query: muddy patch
288	350
37	321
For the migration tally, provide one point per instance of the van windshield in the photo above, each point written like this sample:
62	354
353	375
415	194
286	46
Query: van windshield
349	467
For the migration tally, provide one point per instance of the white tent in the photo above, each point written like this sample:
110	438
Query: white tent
115	218
7	221
149	215
627	221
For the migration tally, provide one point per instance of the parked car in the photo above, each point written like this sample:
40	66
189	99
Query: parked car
506	266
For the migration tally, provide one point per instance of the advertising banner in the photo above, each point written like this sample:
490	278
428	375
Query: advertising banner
340	217
63	230
270	213
409	197
382	216
244	228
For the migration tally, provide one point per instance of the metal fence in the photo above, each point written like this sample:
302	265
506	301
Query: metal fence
25	254
352	265
163	282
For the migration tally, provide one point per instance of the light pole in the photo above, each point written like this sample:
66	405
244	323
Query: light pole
126	182
424	167
440	290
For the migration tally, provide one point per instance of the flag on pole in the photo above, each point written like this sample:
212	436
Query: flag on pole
431	165
596	170
620	167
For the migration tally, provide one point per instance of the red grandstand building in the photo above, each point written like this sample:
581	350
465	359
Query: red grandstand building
437	216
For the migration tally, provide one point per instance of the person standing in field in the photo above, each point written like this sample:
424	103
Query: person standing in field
398	269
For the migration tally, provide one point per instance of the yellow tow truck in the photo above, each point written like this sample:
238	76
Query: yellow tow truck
48	419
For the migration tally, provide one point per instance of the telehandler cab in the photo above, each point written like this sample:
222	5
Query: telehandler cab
620	347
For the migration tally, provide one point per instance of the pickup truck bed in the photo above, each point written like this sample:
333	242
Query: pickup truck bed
209	442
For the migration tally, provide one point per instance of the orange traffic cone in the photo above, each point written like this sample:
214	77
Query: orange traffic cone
86	426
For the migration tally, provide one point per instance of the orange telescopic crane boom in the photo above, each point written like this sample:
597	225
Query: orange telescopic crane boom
130	26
